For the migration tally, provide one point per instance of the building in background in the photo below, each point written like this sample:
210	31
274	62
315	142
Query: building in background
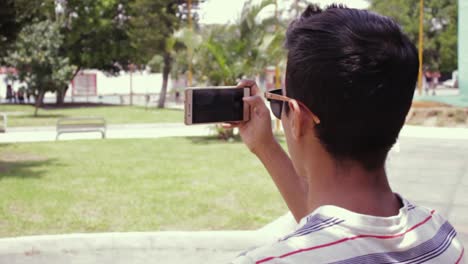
463	47
98	87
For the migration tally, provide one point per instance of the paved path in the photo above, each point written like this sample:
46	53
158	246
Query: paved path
37	134
429	166
434	173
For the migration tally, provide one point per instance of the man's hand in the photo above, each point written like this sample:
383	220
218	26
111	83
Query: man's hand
256	133
258	136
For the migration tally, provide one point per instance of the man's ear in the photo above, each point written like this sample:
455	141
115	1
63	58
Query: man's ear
295	117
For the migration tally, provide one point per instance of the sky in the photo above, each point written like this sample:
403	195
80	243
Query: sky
224	11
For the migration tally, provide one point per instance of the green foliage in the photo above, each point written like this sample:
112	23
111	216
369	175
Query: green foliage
37	57
9	28
440	28
152	26
152	23
96	34
156	63
227	53
15	14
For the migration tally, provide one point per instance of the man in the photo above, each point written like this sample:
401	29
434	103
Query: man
435	81
428	76
9	93
350	80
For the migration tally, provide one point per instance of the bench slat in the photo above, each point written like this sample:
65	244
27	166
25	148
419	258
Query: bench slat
81	124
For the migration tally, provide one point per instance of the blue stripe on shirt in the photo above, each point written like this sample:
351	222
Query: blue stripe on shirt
419	254
314	224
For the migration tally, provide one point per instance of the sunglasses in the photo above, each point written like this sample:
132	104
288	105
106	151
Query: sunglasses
277	100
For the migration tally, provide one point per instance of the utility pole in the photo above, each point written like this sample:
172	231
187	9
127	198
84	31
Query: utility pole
421	39
131	68
462	76
277	69
189	51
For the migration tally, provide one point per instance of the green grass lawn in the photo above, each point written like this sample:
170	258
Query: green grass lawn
133	185
23	115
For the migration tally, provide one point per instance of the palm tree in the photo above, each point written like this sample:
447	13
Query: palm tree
230	52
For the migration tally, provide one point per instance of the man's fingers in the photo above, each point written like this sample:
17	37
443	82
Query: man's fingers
257	106
230	125
226	126
254	90
254	101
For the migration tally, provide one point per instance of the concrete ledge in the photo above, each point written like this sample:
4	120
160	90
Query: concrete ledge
434	132
219	240
141	247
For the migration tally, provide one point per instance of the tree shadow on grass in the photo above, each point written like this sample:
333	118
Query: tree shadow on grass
25	169
75	105
216	140
205	140
40	116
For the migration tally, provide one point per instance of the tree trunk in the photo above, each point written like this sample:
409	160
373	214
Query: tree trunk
60	96
38	100
166	70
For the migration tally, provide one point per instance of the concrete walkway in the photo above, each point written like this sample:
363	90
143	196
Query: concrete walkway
433	172
450	96
428	166
39	134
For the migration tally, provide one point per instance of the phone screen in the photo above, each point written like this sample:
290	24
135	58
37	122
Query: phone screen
217	105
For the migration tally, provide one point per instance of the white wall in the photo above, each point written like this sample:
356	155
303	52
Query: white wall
16	85
142	83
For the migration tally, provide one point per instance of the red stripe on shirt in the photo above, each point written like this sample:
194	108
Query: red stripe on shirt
461	256
348	239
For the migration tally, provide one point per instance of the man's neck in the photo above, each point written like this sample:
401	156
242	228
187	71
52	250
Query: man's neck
349	186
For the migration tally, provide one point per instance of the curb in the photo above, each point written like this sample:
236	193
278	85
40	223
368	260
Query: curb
140	247
434	132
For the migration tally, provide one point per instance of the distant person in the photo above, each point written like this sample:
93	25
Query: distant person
9	93
428	76
28	96
15	97
177	97
435	81
21	95
147	100
350	81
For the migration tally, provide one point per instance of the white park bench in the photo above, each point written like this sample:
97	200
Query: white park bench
81	124
4	124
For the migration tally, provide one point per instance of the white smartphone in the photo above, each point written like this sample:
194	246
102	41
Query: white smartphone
217	104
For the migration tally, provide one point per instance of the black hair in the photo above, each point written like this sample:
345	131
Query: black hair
356	70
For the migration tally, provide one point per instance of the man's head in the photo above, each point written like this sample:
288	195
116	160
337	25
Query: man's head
357	72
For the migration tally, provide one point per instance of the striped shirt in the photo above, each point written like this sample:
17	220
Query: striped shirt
332	234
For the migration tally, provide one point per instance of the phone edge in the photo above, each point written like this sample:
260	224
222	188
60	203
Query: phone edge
211	87
246	106
188	104
188	108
